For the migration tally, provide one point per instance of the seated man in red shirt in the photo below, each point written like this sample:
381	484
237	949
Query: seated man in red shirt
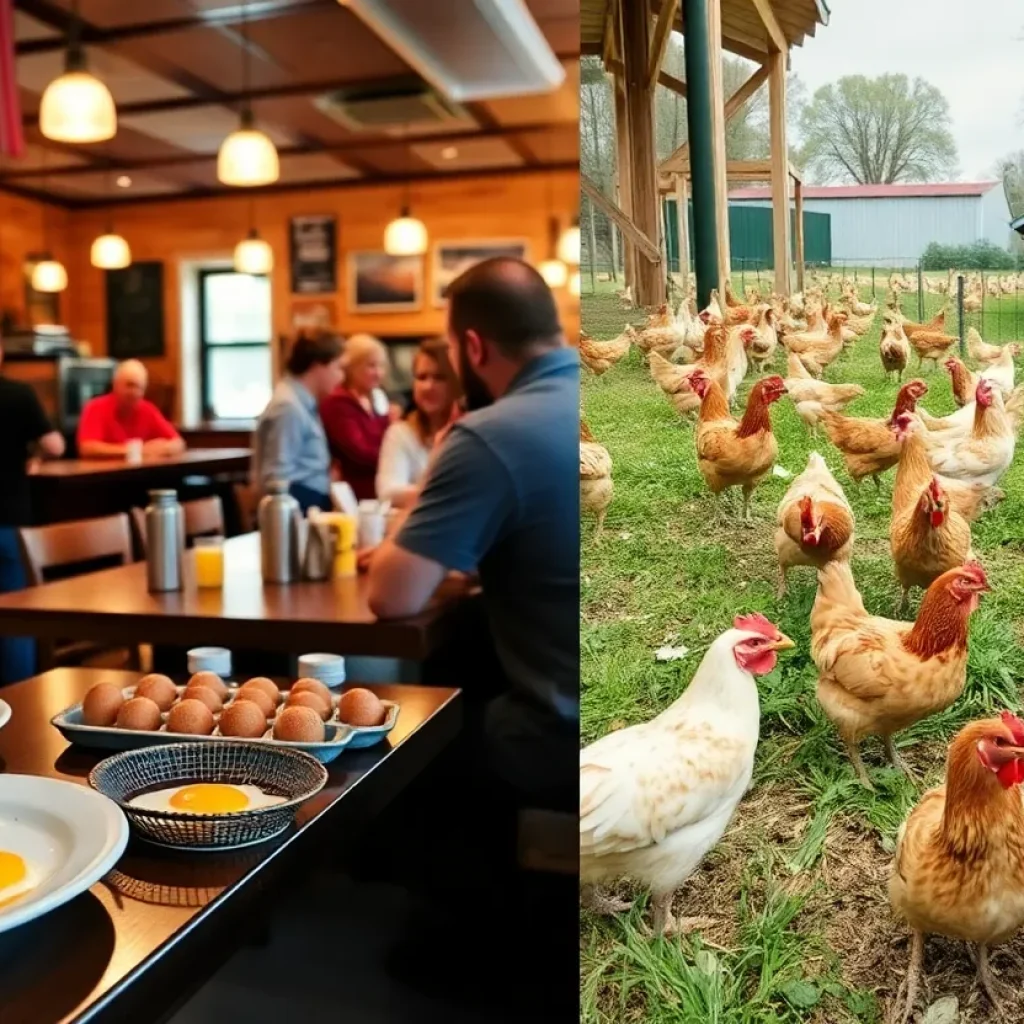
110	421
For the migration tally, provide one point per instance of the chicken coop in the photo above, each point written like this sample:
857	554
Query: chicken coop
631	37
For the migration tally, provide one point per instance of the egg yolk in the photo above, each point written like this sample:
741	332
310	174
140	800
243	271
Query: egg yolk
209	798
12	871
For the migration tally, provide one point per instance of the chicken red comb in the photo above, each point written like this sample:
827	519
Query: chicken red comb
935	488
975	572
1015	725
756	623
775	381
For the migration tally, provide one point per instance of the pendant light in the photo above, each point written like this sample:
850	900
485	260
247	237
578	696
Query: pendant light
253	255
48	275
552	269
569	244
77	107
247	157
110	251
406	235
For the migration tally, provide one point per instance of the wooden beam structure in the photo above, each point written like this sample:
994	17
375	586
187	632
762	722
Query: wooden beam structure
718	141
662	33
624	176
670	82
645	209
683	229
641	240
780	170
798	203
771	25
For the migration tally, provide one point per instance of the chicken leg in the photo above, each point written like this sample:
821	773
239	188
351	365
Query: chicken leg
747	492
913	979
593	901
665	924
853	749
894	757
988	982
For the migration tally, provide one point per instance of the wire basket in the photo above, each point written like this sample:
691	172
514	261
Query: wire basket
277	771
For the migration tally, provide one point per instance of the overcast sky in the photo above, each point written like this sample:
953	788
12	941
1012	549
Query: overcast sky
974	53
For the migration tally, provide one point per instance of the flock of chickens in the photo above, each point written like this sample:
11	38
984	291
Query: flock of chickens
656	797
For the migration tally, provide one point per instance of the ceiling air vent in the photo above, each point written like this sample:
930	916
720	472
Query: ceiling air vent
410	108
467	49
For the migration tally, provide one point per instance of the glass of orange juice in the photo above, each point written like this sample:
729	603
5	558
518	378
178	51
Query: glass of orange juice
209	552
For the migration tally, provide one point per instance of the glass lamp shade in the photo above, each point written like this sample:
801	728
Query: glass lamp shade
569	246
49	276
574	284
76	107
110	252
247	157
253	256
405	236
554	272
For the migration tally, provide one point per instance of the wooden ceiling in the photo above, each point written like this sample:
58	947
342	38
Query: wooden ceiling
174	68
743	31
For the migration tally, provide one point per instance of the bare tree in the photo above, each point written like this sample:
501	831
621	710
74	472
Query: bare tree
1010	170
878	131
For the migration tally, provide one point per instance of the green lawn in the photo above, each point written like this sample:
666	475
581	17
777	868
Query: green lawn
797	888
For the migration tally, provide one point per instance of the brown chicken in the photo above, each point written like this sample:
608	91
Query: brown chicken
931	346
894	348
811	396
930	531
964	382
869	446
674	380
815	521
959	867
878	676
910	328
731	454
816	351
596	487
603	355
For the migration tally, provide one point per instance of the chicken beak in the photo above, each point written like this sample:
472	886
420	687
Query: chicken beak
782	643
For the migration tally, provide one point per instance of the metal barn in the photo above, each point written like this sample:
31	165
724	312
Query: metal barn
888	224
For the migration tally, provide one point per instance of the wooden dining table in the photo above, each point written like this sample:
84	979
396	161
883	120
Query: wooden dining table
64	489
140	942
114	606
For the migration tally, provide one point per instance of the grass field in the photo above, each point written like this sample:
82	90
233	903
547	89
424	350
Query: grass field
803	931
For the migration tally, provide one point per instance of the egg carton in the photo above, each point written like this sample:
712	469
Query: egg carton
338	735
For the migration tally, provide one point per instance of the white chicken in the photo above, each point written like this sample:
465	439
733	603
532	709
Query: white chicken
656	797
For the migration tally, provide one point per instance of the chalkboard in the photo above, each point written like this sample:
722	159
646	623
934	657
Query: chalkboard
314	254
135	311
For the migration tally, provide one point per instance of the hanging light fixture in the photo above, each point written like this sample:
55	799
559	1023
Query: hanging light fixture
569	245
406	235
252	254
48	275
110	251
77	107
247	157
552	269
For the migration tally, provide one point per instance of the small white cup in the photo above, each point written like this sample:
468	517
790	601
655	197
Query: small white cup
133	451
210	659
328	668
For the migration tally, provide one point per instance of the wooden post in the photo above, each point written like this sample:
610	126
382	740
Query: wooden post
625	177
798	190
592	237
683	230
718	141
780	169
636	49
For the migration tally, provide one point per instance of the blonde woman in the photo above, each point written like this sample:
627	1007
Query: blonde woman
406	449
356	414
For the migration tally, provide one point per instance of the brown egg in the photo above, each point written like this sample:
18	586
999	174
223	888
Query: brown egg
308	685
257	696
268	686
205	694
308	699
361	708
191	716
243	718
211	681
139	713
299	725
101	704
159	689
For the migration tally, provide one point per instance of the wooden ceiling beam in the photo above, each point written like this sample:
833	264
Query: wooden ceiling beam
660	39
771	24
353	145
92	35
670	82
748	47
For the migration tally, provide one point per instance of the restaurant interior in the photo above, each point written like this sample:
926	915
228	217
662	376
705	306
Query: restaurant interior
193	185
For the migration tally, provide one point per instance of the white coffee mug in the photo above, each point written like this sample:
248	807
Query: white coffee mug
133	451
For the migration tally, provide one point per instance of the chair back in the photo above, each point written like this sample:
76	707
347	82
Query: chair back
81	543
246	501
204	517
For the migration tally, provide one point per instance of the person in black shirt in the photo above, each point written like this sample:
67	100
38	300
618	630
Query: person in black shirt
24	432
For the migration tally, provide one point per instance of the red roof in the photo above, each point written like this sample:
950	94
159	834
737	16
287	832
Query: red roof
950	188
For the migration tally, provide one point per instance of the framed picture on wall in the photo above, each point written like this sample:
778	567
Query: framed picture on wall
452	258
40	307
379	283
314	315
313	254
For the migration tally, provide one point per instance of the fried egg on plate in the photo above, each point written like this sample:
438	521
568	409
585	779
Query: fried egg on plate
27	859
205	798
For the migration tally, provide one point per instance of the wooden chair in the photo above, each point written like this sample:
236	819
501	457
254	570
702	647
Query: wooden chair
246	500
71	549
204	517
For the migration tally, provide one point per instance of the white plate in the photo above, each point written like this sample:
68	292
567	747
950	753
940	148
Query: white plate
5	713
70	835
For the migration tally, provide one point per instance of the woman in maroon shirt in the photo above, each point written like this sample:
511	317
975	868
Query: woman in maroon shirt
356	414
